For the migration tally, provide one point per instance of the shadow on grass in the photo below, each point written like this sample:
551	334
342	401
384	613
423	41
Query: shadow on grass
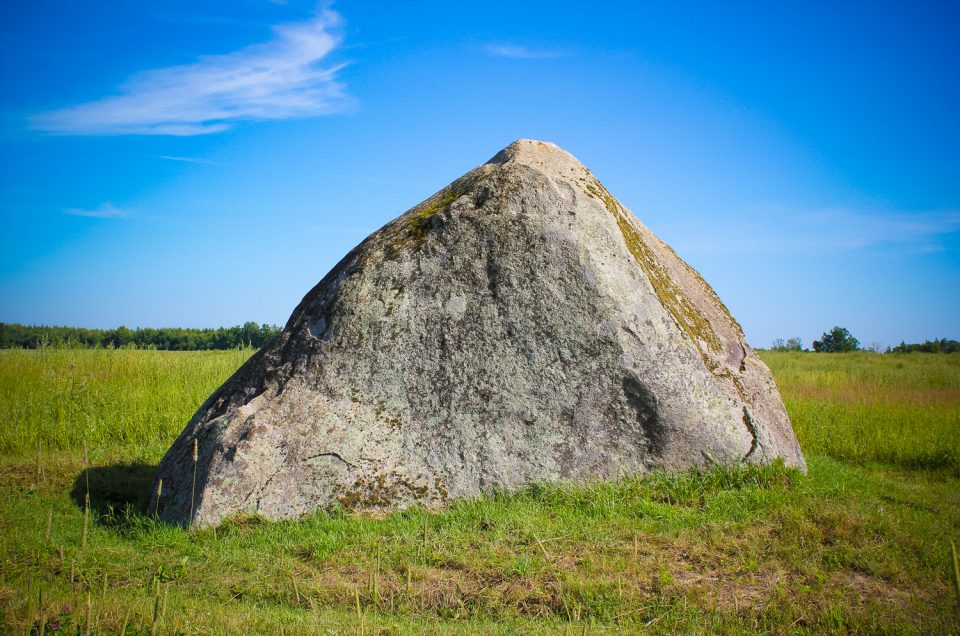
931	461
119	493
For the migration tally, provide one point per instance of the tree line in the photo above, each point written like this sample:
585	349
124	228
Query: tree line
930	346
840	340
250	334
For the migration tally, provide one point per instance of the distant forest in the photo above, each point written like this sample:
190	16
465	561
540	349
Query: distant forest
930	346
849	343
250	334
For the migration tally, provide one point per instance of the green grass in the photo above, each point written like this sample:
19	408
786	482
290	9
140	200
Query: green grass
861	544
902	410
113	400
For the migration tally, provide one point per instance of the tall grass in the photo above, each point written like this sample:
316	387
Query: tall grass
861	407
848	549
896	409
61	399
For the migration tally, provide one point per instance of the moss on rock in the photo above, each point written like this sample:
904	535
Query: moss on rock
686	314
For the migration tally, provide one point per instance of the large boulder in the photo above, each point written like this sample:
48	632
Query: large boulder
518	326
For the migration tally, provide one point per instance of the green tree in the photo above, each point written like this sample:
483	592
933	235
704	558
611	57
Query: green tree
124	336
837	340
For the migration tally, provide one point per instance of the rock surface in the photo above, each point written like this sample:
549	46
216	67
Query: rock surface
518	326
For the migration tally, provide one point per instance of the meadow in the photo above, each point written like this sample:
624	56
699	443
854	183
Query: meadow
862	544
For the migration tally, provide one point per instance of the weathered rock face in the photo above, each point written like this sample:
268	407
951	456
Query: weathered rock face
518	326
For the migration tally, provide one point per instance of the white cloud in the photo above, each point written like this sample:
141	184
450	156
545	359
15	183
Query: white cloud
278	79
105	211
519	52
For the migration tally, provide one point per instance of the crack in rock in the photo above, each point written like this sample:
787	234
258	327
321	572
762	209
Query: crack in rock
752	428
330	454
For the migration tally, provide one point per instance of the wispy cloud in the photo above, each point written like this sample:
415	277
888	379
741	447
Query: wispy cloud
206	162
518	51
819	232
105	211
278	79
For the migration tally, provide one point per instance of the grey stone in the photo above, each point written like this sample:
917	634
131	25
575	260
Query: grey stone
519	326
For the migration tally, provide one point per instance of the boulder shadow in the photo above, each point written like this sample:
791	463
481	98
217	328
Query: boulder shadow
119	493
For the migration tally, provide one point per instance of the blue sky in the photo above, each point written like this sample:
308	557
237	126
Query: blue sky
206	163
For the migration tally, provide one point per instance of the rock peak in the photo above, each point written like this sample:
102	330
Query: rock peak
541	155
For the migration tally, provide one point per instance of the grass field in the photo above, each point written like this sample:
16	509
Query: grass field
860	545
